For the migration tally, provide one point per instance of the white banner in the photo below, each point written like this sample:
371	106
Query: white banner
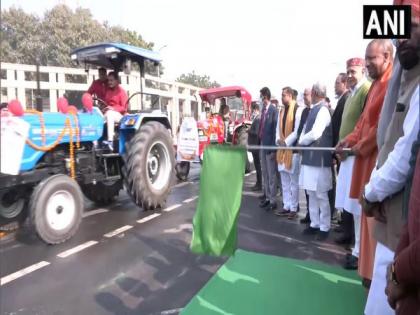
187	144
14	132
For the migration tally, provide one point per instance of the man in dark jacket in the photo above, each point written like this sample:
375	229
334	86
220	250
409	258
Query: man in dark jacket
267	136
341	93
254	140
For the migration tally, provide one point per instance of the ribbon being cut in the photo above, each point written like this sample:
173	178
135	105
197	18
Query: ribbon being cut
221	181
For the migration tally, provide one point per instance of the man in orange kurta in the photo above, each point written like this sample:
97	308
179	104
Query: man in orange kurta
362	141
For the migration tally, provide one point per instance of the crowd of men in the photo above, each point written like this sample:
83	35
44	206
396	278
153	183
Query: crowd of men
375	132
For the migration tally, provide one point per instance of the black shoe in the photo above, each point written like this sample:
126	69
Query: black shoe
352	263
256	188
262	197
343	240
305	220
283	213
322	236
338	229
271	207
366	283
310	231
264	203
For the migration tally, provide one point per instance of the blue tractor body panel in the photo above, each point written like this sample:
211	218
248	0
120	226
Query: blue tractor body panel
90	127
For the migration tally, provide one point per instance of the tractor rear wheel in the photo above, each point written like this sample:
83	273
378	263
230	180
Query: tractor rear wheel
149	166
243	140
102	193
56	208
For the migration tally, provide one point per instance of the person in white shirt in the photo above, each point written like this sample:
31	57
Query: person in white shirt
288	162
316	176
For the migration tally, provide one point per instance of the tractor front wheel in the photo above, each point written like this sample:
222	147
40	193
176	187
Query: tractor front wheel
149	166
182	170
56	208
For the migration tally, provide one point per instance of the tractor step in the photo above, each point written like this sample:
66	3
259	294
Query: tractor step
108	155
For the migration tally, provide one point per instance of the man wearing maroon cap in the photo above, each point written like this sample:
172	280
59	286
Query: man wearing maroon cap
359	87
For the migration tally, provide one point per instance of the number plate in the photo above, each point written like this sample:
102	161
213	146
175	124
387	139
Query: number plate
213	137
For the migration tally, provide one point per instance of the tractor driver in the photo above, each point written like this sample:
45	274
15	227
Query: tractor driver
116	100
99	86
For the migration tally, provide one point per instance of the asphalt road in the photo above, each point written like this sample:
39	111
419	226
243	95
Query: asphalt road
125	261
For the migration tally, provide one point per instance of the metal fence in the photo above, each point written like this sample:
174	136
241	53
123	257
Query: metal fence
18	81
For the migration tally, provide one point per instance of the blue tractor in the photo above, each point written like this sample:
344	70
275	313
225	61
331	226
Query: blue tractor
63	158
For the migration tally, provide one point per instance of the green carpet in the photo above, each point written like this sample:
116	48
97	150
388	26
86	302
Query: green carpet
255	284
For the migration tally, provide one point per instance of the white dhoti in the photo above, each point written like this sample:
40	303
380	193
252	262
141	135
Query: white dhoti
377	302
342	196
317	181
290	184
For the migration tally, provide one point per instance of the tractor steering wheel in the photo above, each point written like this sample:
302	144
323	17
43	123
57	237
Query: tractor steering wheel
101	104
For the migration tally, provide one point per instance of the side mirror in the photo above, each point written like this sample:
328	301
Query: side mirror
127	66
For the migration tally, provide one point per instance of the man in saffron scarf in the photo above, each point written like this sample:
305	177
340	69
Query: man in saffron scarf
362	141
288	161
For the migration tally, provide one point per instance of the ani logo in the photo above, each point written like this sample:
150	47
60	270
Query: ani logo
386	21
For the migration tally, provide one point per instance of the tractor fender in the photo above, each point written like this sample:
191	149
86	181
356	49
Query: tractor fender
130	123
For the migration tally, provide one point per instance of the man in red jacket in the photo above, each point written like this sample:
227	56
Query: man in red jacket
116	101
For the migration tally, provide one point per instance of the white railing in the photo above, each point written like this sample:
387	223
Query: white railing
19	82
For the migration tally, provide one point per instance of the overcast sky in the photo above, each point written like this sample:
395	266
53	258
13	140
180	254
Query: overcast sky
249	43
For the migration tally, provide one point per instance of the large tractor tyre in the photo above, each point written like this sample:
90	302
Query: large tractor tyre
182	170
243	140
149	166
12	209
56	208
103	193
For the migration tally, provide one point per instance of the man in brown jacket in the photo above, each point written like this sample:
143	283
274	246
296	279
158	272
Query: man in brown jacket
398	128
403	287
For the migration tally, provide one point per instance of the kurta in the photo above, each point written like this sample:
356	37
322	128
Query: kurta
363	138
314	178
352	111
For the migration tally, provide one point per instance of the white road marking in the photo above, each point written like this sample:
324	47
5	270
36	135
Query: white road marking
172	207
94	212
118	231
190	199
148	218
174	311
23	272
182	184
77	249
180	228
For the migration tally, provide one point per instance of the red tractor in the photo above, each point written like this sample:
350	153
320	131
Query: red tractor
227	121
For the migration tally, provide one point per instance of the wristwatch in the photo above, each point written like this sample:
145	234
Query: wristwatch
366	200
393	274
